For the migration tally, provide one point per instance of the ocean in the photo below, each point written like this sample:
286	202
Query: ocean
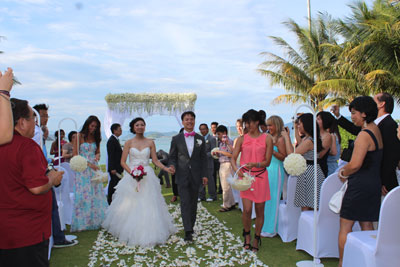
161	143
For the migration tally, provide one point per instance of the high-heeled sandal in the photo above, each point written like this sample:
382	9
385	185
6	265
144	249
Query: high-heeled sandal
258	238
246	246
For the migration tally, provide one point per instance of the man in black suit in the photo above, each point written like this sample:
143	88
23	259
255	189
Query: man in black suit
391	144
163	158
114	152
188	158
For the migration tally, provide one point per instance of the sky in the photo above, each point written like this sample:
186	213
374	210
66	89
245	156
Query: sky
71	54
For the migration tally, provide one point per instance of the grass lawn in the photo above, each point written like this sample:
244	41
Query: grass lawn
273	251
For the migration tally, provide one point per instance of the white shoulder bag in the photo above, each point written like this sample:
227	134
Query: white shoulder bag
335	204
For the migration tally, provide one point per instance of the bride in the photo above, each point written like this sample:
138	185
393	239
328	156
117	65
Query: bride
138	214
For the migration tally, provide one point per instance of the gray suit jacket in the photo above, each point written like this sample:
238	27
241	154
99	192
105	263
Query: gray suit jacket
189	170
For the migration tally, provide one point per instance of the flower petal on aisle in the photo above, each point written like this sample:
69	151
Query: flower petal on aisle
214	245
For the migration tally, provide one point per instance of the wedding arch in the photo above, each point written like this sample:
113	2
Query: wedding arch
129	105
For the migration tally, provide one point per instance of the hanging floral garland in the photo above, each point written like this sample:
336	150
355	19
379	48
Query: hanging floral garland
151	103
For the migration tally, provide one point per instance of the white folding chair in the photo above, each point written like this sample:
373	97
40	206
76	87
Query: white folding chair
328	224
379	248
288	213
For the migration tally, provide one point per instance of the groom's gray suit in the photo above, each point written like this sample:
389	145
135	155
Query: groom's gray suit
189	171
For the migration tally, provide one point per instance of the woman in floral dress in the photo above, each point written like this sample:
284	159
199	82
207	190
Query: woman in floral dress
90	201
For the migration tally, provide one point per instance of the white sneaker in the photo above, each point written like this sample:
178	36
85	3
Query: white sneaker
209	200
265	234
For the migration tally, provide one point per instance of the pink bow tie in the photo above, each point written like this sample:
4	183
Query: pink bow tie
190	134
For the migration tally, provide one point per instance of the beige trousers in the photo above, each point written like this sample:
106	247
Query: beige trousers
225	171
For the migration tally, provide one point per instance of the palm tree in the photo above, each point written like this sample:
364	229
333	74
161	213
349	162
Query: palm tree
301	70
368	61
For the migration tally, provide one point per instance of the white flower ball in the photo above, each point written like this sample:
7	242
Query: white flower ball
78	163
295	164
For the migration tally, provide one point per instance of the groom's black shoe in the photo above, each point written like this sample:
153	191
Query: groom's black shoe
188	236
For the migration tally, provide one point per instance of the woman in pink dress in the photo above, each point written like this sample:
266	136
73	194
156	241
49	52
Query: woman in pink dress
256	152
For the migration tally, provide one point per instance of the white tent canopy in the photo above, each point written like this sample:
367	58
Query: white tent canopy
123	106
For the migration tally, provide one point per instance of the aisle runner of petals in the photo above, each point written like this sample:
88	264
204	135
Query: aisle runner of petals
214	245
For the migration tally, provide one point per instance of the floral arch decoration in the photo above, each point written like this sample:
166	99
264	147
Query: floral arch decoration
128	105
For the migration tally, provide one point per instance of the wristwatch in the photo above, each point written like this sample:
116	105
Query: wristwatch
49	169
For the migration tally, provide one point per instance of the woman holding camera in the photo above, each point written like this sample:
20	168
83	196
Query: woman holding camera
225	170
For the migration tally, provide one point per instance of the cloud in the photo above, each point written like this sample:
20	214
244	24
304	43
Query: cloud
72	58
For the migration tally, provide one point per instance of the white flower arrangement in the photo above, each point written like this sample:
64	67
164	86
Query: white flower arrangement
295	164
78	163
100	177
215	149
151	102
199	142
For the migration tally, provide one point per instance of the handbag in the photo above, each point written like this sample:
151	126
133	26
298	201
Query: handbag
335	204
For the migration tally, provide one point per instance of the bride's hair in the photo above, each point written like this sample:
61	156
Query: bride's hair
132	123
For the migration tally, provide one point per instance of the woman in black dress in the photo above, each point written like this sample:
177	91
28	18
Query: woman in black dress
362	199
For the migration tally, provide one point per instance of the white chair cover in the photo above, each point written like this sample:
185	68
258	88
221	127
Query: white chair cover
71	174
328	224
380	248
236	195
51	243
63	199
288	213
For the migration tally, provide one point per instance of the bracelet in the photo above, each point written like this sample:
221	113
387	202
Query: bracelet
4	92
5	97
341	175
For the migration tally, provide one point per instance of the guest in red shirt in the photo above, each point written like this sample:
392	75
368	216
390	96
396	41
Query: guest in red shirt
25	200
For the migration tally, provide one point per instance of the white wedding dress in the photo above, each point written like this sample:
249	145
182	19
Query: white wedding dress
138	214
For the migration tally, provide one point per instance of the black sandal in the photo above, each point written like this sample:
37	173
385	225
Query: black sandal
258	238
223	209
246	246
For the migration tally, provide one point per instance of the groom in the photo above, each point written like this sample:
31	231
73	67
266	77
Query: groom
188	159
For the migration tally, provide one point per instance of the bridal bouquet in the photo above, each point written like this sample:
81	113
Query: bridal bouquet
78	163
138	173
295	164
215	149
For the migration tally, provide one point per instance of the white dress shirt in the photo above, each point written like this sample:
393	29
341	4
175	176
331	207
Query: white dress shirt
379	119
189	143
115	137
38	135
